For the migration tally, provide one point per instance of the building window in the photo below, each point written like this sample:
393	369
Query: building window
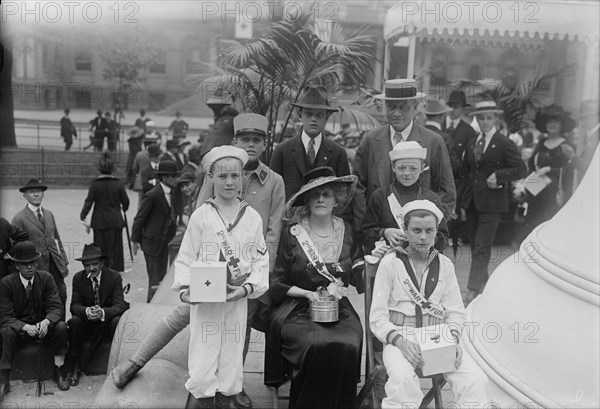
83	61
159	66
24	58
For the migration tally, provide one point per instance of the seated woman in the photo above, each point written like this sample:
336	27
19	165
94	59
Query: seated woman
325	356
420	269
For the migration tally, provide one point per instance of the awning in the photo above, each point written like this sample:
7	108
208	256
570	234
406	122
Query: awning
502	23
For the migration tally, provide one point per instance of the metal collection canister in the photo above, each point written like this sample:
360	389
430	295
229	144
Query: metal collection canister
324	310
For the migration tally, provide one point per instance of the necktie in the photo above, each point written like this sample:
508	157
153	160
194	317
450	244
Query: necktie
450	129
311	151
397	138
28	289
96	291
478	151
172	204
40	216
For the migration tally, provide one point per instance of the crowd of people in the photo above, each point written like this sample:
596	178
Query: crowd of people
293	233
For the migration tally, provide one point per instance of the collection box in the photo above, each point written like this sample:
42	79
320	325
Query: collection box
208	281
438	349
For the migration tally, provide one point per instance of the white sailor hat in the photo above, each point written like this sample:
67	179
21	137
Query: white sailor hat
408	150
225	151
423	205
250	123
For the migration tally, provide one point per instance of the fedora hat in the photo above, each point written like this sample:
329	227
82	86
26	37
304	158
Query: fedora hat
322	176
23	252
91	251
486	107
186	177
400	90
554	111
314	96
250	123
457	97
436	107
33	184
166	167
176	143
589	108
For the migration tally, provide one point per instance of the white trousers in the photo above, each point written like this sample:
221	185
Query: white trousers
468	383
217	332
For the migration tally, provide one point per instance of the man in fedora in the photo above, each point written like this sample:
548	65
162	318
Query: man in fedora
97	304
30	309
175	153
491	162
309	149
41	227
155	223
589	115
372	162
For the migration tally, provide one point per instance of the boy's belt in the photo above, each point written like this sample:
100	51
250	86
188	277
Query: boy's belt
400	319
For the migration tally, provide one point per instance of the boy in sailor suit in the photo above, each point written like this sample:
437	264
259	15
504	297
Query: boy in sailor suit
215	357
394	313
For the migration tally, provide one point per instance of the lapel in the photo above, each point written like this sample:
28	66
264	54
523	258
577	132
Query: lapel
162	199
381	151
492	146
324	153
297	148
34	219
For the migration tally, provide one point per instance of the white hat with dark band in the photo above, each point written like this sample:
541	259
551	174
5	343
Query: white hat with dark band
400	90
486	107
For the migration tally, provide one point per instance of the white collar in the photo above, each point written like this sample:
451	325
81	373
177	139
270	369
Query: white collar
434	124
166	188
98	277
404	133
25	281
33	208
306	139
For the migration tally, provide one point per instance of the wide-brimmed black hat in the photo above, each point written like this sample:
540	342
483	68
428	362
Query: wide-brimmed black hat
166	167
554	111
317	177
33	184
91	251
314	96
23	252
457	97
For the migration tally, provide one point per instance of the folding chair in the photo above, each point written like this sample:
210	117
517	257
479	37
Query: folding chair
373	370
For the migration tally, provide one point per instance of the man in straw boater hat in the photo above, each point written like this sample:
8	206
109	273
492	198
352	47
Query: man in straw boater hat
417	287
155	223
309	149
589	136
30	309
40	225
372	163
97	304
491	162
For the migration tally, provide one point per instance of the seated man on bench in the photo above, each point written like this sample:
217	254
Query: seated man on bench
97	305
400	304
30	310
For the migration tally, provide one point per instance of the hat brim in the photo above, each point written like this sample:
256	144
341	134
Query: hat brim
101	256
26	188
299	198
28	260
382	97
438	112
157	173
486	111
314	106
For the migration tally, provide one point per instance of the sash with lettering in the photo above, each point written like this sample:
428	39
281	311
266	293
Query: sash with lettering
235	275
411	286
396	207
311	252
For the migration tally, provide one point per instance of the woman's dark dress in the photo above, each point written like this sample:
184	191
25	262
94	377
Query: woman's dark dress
325	356
543	206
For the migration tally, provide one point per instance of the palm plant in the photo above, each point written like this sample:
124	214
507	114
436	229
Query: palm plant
266	74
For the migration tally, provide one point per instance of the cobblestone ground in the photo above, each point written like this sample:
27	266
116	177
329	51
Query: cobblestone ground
66	205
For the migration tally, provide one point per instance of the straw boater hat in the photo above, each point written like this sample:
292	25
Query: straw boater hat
486	107
23	252
554	111
250	123
33	184
400	90
91	252
423	205
314	96
225	151
408	150
322	176
436	107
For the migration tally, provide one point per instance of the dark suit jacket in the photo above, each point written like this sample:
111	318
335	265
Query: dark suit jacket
501	157
66	127
107	194
288	160
112	300
13	302
146	175
45	237
153	226
99	124
461	136
9	234
174	158
374	170
454	161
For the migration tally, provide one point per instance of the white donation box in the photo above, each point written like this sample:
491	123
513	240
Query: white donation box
208	281
438	349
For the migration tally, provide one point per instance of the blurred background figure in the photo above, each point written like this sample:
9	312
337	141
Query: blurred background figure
222	131
67	130
99	126
112	132
9	235
178	127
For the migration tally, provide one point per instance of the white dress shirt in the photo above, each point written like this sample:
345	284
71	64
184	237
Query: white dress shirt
403	134
488	138
167	191
306	140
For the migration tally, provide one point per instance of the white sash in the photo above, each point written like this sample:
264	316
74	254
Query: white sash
230	258
396	211
311	252
427	308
